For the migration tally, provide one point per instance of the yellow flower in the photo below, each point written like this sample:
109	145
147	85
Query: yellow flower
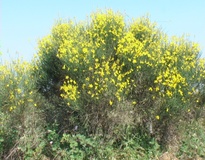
134	102
85	50
110	102
157	117
19	91
150	89
63	67
90	86
157	88
10	109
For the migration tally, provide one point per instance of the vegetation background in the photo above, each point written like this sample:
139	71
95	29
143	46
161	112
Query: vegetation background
105	89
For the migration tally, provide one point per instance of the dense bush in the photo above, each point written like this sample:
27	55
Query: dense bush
110	72
125	86
22	125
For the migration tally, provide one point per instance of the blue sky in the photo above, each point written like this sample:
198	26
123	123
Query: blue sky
24	22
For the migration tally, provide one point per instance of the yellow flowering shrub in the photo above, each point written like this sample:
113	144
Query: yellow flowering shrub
16	87
21	121
106	61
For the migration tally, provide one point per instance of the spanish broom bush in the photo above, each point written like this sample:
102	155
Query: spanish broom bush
106	69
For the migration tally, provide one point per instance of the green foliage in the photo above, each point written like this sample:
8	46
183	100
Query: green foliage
193	141
78	146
